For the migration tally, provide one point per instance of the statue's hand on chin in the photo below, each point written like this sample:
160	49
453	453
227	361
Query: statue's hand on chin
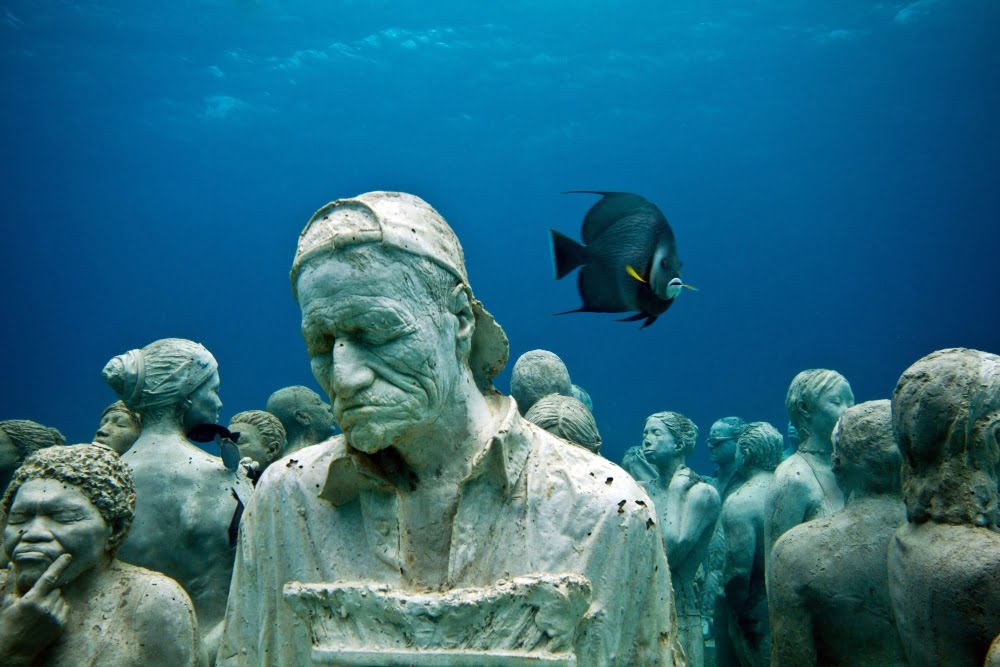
32	622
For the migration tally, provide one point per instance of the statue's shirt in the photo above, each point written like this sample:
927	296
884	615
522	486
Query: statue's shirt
533	504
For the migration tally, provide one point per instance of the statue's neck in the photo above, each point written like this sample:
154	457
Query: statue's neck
666	471
162	423
817	445
724	472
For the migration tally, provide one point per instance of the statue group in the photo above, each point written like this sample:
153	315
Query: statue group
448	524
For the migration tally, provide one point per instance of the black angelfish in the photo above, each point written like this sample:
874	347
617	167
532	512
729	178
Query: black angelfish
629	258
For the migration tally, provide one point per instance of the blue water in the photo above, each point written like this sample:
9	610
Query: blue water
830	171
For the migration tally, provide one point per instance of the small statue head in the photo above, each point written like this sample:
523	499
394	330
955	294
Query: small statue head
76	500
946	417
171	377
392	328
865	457
816	398
668	436
19	438
758	448
303	414
538	373
581	394
119	427
722	439
567	418
262	437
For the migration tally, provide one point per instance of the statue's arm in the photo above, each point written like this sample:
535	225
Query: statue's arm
791	622
741	545
700	510
786	506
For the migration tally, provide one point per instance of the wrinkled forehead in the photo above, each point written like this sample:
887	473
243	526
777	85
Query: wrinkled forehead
367	270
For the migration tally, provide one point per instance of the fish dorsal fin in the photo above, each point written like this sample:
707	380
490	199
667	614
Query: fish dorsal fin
612	207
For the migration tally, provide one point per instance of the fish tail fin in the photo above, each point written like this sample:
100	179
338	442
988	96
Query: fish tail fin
567	254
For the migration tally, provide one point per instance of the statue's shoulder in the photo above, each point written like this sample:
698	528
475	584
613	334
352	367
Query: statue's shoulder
591	477
301	467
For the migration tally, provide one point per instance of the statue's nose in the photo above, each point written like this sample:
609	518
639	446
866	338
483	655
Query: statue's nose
350	371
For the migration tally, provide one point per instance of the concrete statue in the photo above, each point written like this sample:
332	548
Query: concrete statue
19	438
119	428
721	443
538	373
188	503
581	394
262	437
944	563
306	418
829	585
635	464
687	508
67	600
804	488
758	452
567	418
441	527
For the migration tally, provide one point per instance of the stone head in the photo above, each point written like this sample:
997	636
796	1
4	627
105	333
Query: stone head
262	437
865	456
758	447
119	428
722	439
946	418
78	500
302	413
391	324
172	376
580	394
668	436
816	398
567	418
538	373
19	438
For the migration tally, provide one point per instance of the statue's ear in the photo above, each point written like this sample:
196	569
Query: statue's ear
302	417
460	305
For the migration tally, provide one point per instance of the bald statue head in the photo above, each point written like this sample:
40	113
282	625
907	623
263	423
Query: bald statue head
536	374
307	419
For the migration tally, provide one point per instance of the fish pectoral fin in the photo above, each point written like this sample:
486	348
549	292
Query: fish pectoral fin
632	272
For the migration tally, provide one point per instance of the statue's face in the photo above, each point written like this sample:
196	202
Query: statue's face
721	446
205	403
8	455
379	344
831	404
117	431
48	519
658	443
320	414
252	444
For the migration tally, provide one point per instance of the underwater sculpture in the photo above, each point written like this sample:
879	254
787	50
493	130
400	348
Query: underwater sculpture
944	564
438	501
721	443
792	441
829	593
187	501
628	255
538	373
119	428
262	437
19	438
306	418
687	508
804	487
567	418
744	605
67	600
635	464
580	394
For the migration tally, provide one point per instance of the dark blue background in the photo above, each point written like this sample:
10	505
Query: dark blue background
831	175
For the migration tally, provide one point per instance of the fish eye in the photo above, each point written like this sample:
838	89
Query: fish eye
663	263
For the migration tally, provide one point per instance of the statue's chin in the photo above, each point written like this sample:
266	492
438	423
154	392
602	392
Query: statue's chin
372	437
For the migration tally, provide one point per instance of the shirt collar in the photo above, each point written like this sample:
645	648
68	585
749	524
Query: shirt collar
352	471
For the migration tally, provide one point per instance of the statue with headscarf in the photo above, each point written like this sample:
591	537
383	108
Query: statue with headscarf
188	503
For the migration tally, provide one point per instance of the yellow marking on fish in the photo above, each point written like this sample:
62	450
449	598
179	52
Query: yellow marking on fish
633	273
690	287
